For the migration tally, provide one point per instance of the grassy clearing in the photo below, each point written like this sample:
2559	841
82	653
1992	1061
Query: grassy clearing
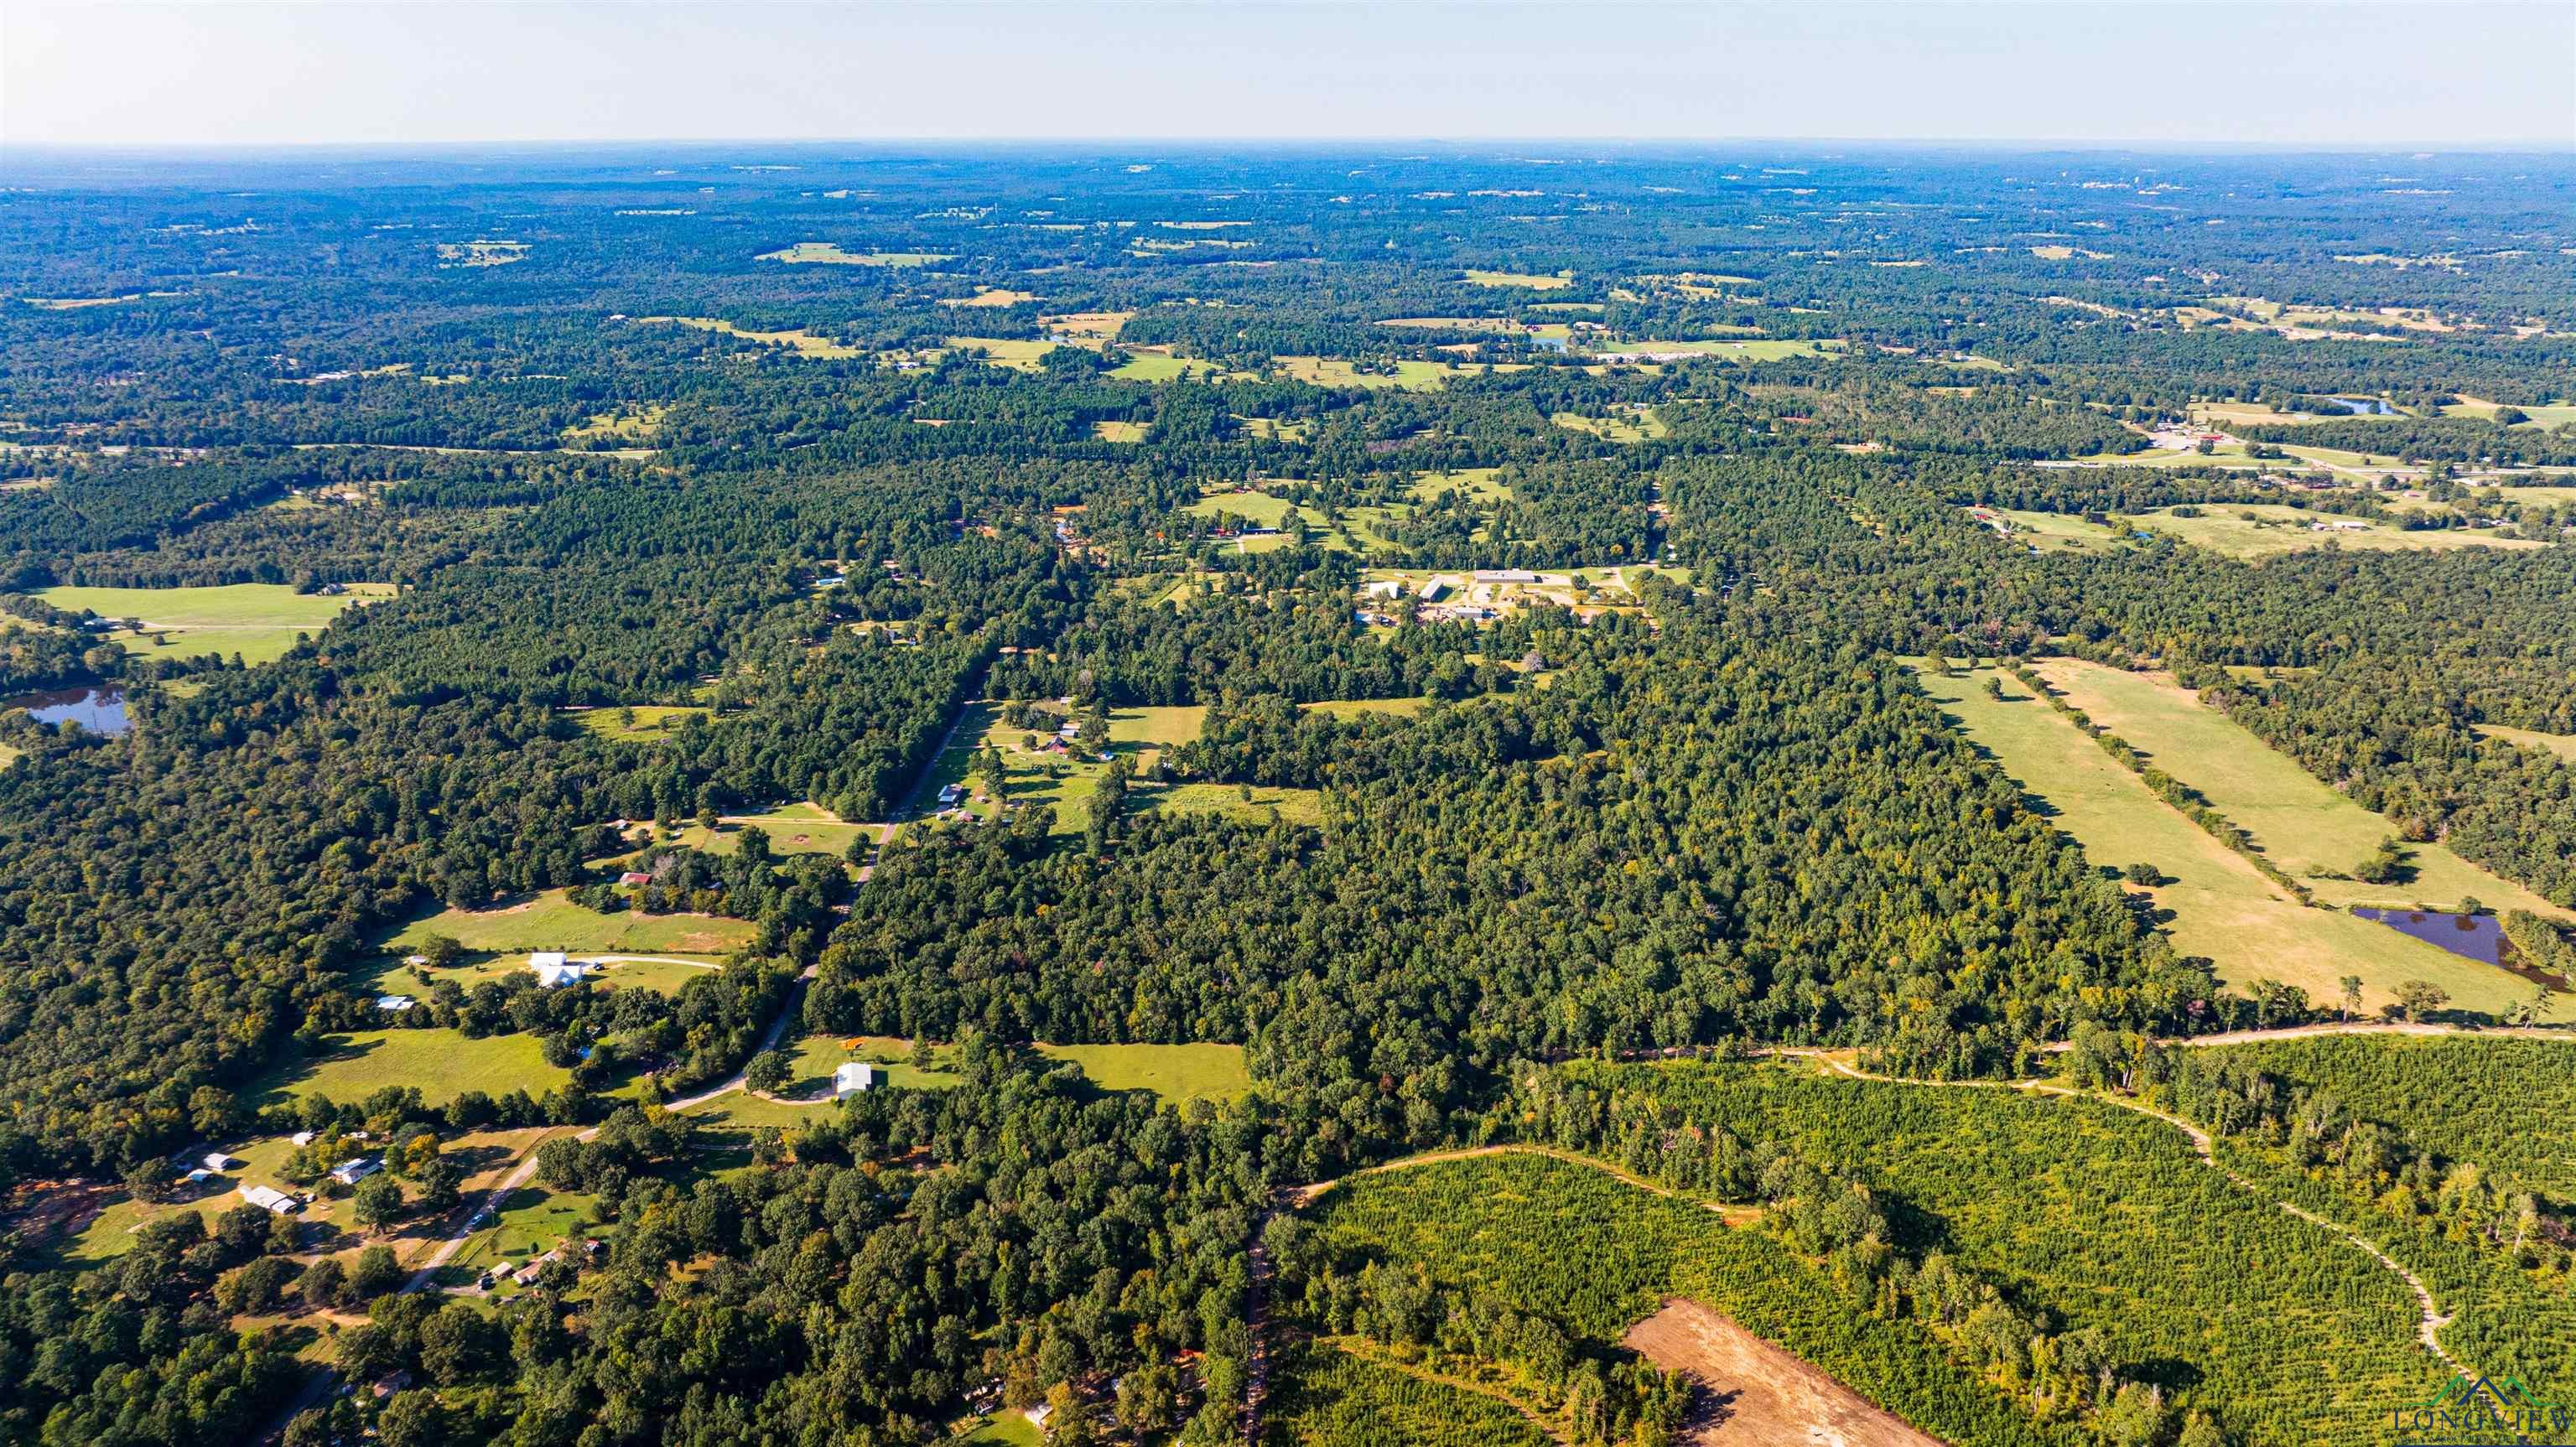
627	425
652	720
2563	745
1161	367
991	296
1482	484
1177	1073
1354	707
662	974
2052	532
1273	429
531	1221
1636	425
443	1063
1064	782
2536	414
2304	825
2260	530
1019	356
1118	431
1408	376
258	621
551	921
235	605
825	253
1526	281
2222	908
1766	350
1088	326
803	343
898	1061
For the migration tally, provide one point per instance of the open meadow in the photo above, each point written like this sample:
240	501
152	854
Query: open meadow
2221	907
258	621
2308	828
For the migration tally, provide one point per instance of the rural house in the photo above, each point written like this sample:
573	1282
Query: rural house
271	1200
851	1078
553	969
355	1169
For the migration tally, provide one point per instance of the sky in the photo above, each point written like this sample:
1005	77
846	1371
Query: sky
2453	74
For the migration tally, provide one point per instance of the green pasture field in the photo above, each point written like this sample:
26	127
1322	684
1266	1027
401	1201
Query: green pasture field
1161	367
1638	427
829	254
1064	783
2290	1335
1297	806
1527	281
1118	431
662	974
800	341
2054	532
1177	1073
551	921
2539	414
258	621
1481	484
531	1221
2563	745
899	1062
1772	350
802	828
653	721
2223	908
1354	707
443	1063
2224	528
1006	1429
233	605
633	425
2302	823
1019	356
1409	376
1272	429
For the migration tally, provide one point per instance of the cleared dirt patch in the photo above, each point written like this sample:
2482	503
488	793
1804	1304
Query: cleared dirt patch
1753	1393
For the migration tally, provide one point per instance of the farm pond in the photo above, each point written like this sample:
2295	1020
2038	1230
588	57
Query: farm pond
101	710
2472	936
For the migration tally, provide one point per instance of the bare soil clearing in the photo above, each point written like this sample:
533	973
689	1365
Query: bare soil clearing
1755	1394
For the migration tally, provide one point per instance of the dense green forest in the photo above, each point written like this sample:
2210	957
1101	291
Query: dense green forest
1441	629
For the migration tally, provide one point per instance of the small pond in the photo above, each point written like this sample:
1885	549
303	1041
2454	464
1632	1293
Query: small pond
101	710
2471	936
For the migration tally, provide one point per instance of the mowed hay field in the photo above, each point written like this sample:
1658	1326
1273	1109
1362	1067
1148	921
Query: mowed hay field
1177	1073
2223	908
443	1063
2260	530
550	921
2296	819
258	621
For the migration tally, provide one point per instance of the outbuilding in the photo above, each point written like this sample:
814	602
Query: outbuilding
271	1200
851	1078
